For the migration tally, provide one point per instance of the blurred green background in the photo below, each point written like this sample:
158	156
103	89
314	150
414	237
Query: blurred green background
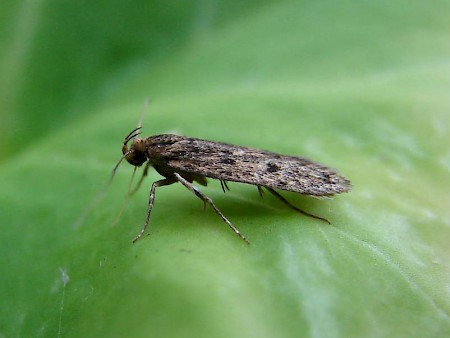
361	86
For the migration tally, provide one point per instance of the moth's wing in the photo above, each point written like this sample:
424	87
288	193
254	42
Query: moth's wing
253	166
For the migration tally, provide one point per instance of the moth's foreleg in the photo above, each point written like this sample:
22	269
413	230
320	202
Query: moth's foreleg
208	200
144	174
224	185
285	201
260	191
151	200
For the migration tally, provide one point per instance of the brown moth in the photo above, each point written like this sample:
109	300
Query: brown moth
187	160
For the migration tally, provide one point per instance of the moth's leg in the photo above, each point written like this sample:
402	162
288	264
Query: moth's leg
285	201
208	200
144	174
260	191
125	200
224	185
160	183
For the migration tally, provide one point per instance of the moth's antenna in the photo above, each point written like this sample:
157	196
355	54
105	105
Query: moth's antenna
144	109
134	133
130	137
101	194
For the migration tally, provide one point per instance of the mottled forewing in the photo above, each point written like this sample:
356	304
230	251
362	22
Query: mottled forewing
253	166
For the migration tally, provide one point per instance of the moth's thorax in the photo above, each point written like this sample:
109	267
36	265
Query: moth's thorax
136	155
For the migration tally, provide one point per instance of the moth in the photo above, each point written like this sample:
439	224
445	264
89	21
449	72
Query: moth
187	160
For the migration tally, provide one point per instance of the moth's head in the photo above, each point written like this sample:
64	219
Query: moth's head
136	155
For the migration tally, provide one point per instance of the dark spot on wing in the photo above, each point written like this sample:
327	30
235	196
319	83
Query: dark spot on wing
272	167
179	153
194	150
225	173
163	141
228	161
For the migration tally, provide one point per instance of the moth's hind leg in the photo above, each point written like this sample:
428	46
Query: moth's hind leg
208	200
285	201
260	191
224	185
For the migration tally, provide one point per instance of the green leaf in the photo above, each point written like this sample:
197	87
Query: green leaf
362	87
